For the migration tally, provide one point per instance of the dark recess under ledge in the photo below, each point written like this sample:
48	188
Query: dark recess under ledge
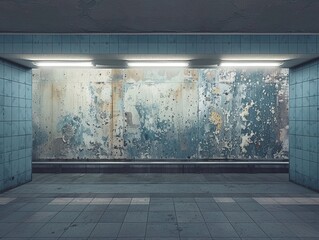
162	166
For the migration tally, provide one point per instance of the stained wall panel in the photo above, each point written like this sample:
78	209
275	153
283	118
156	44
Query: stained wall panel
160	113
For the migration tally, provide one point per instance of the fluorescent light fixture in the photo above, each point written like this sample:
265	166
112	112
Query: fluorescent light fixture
157	64
63	64
254	59
250	64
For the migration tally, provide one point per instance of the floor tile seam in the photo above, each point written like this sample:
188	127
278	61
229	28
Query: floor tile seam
176	222
147	215
232	224
117	236
206	224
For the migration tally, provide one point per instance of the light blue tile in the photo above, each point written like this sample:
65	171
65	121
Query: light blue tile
28	114
305	145
15	89
22	102
180	48
313	88
123	47
8	47
104	38
15	113
28	103
313	101
180	39
236	48
298	113
114	48
57	47
28	152
94	47
15	128
115	39
7	145
305	101
14	155
7	114
28	127
298	90
17	47
313	145
27	47
313	113
2	87
28	75
153	48
264	48
22	115
28	92
22	142
226	47
312	156
22	128
75	47
313	128
154	39
305	127
28	141
132	48
15	143
47	47
84	47
7	72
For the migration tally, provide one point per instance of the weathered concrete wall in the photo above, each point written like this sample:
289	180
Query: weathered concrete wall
160	113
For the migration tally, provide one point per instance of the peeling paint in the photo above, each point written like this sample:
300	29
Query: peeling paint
160	113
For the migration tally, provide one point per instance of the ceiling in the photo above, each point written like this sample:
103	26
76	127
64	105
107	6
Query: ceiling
159	16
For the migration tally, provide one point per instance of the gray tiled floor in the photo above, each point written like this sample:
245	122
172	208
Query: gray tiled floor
159	206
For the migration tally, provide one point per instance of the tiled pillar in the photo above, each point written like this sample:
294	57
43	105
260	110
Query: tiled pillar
304	125
15	125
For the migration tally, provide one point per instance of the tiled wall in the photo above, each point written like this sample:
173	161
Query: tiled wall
304	125
159	44
15	125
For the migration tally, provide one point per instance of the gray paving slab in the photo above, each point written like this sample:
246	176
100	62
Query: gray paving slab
161	216
160	206
189	217
132	230
52	230
106	230
197	230
162	230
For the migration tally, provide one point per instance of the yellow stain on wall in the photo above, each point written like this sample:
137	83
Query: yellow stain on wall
217	120
216	90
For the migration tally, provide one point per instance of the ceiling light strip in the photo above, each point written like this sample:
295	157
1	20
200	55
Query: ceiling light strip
64	64
250	64
157	64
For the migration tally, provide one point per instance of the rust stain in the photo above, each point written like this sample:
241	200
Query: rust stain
216	90
217	120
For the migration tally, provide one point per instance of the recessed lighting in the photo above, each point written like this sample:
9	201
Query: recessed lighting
250	64
157	64
64	64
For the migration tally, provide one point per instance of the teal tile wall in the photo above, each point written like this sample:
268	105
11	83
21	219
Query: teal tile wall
159	44
15	125
304	124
